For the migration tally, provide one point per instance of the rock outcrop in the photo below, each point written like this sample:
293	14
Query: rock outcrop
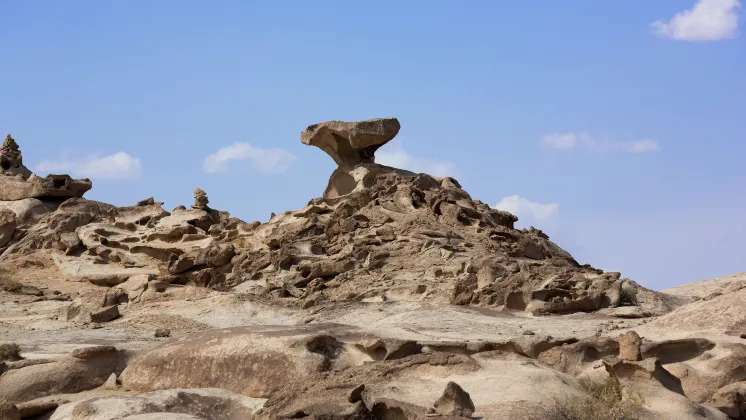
17	182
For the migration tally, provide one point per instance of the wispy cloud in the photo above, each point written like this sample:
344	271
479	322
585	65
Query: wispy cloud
394	155
270	161
708	20
119	165
527	209
567	141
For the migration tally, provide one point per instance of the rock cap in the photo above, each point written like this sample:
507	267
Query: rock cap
351	143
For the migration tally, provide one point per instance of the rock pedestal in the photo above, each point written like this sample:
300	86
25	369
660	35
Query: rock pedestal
352	145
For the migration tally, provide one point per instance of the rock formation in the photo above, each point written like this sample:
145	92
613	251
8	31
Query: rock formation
388	297
17	182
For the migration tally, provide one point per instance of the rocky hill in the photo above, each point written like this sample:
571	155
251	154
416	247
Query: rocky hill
394	295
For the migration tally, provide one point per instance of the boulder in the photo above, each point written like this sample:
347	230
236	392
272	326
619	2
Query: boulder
29	210
106	314
78	372
351	143
454	402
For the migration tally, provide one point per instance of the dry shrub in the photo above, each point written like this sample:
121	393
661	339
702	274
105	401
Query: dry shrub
10	352
8	283
605	400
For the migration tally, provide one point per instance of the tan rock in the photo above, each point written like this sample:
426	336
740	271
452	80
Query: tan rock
7	226
67	375
247	360
454	402
629	346
351	143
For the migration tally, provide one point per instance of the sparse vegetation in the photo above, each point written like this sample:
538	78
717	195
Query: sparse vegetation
10	352
606	400
8	283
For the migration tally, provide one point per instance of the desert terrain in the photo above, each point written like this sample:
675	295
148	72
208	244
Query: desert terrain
394	295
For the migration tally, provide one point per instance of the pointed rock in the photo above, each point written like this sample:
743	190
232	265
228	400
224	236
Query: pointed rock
454	402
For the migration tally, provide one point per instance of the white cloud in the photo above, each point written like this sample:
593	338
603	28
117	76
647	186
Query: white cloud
397	157
270	161
120	165
567	141
708	20
527	209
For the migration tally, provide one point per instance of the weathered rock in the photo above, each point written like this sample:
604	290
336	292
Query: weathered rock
731	400
246	360
16	188
351	143
40	406
11	159
111	383
200	199
629	346
106	314
172	404
67	375
29	210
649	369
454	402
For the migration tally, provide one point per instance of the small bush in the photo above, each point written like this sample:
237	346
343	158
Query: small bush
10	352
606	400
8	283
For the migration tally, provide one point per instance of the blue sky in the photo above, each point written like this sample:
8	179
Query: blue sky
617	127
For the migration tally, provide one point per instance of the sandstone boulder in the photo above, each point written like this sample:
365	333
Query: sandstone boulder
454	402
351	143
69	374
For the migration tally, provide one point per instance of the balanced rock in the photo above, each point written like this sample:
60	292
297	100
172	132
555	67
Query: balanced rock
351	143
200	199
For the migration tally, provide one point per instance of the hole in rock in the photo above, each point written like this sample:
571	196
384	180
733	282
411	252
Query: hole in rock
4	164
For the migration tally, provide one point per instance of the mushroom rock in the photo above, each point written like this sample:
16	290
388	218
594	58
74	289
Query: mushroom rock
17	182
352	145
